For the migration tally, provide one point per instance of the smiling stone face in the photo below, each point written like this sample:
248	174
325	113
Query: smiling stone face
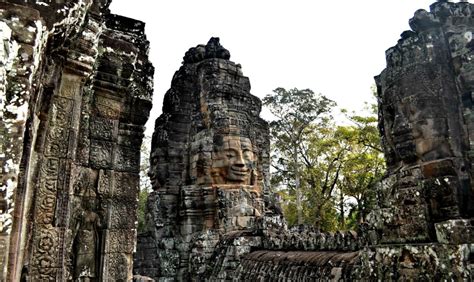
233	160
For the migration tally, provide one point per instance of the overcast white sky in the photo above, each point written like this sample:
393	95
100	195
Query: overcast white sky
332	47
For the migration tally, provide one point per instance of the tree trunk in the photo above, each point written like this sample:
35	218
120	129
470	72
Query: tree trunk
361	213
299	208
341	206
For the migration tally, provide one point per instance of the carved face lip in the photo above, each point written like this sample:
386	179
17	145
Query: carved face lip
238	173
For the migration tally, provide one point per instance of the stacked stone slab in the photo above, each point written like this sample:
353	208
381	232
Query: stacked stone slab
76	92
426	204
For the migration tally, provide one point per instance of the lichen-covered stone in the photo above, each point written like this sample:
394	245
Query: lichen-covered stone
422	226
209	163
75	94
425	104
410	262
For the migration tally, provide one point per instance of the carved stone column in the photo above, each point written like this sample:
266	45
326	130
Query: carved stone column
90	94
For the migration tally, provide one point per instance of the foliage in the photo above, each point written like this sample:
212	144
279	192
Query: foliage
145	185
365	165
332	169
296	111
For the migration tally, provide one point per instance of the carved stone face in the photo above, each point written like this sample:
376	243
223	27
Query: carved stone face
416	117
233	161
158	170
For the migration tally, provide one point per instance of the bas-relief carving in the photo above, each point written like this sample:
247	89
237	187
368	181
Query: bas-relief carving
46	249
416	121
84	196
86	247
127	159
158	171
86	225
102	128
107	107
226	160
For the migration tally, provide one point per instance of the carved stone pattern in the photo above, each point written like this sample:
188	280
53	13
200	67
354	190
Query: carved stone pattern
101	154
104	129
87	77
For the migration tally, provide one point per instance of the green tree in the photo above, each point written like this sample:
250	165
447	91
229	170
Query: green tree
295	111
324	171
323	161
365	164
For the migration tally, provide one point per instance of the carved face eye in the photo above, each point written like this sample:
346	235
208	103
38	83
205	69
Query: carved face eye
230	154
248	155
154	161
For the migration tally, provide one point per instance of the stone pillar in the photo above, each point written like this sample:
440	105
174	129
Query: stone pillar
90	94
23	41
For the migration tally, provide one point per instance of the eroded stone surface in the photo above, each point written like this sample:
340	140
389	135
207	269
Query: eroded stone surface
209	164
76	86
76	92
426	202
425	106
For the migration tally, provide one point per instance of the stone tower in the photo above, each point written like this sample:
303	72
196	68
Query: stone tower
424	219
425	122
209	163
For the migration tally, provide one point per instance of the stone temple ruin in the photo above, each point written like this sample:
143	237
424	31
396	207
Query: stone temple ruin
76	88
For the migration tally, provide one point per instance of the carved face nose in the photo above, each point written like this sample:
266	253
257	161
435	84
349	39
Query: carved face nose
239	161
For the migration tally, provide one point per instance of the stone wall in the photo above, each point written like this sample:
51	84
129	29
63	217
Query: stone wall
76	94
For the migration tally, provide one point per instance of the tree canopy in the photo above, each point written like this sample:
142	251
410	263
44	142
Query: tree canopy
325	173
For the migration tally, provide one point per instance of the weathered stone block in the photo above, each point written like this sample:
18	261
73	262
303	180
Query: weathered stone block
126	186
127	159
119	241
117	267
101	154
414	262
122	214
103	129
460	231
